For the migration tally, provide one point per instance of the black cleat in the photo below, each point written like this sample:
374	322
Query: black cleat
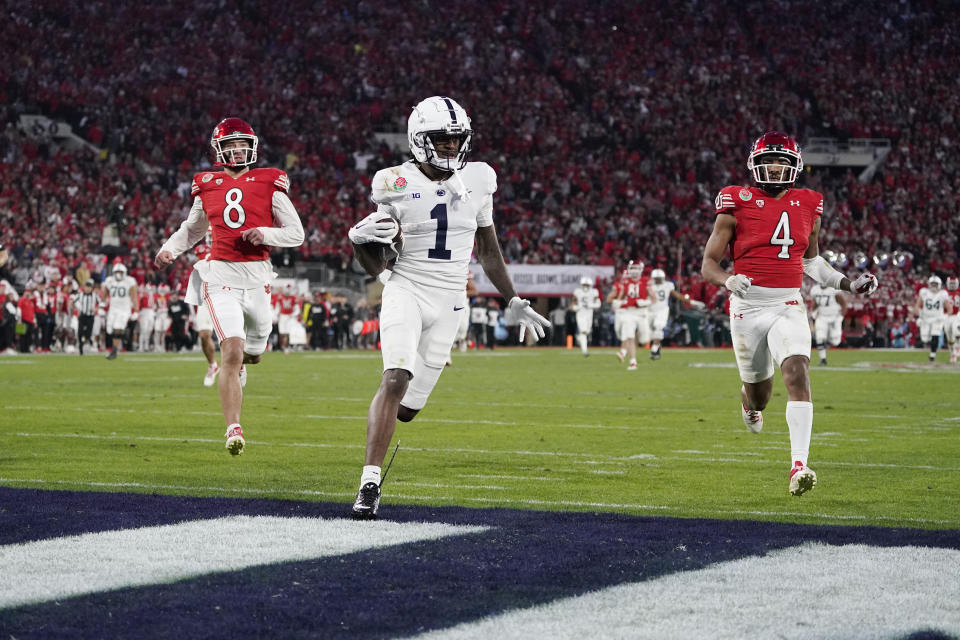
654	355
112	355
823	362
368	501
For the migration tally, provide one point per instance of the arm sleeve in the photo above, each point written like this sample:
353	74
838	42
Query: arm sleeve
289	233
821	271
485	211
190	231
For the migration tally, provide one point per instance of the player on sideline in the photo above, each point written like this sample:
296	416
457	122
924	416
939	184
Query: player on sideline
121	290
241	205
953	321
932	307
829	305
442	203
772	229
586	299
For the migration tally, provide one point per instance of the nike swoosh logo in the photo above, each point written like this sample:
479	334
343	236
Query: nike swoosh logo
458	308
362	224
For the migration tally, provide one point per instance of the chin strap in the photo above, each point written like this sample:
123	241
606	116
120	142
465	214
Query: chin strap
462	192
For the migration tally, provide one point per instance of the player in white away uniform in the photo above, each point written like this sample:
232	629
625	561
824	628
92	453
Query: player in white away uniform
121	290
661	290
586	299
441	203
953	321
932	308
829	305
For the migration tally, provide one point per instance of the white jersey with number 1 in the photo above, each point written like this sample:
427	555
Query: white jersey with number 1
438	224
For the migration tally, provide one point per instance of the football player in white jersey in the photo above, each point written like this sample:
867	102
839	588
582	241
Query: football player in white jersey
829	307
953	321
441	203
586	299
661	290
932	308
121	290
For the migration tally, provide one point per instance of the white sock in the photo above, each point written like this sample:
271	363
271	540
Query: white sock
800	423
582	339
823	353
371	473
655	348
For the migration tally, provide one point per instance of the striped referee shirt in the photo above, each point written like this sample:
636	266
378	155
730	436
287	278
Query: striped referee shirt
87	302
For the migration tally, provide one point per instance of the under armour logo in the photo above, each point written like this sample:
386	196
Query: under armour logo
795	203
737	315
252	179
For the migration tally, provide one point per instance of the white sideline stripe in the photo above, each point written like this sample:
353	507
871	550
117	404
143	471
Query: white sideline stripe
435	485
74	565
854	591
749	458
680	511
501	477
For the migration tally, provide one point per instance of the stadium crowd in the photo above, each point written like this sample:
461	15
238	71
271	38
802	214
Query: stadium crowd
611	126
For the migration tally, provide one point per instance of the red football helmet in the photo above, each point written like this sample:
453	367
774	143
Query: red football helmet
774	144
953	283
234	129
635	269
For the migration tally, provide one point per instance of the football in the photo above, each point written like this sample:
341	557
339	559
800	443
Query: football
374	257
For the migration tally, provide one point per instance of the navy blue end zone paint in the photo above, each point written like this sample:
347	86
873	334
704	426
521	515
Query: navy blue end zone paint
528	558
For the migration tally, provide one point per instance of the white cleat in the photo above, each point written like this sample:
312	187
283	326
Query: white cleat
211	376
243	375
802	479
752	419
235	441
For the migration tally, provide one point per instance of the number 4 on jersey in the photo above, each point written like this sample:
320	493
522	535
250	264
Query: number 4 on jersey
781	236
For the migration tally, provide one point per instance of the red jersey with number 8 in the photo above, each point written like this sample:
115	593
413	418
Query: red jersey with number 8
772	234
234	205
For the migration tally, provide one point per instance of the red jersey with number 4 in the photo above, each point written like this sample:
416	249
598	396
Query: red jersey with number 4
772	234
234	205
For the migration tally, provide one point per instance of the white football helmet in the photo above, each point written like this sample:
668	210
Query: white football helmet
658	274
119	271
953	283
586	282
934	282
439	116
634	269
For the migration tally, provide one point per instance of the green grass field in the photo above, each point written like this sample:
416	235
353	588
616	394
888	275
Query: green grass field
519	428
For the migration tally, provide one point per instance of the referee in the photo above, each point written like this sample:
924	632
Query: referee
87	301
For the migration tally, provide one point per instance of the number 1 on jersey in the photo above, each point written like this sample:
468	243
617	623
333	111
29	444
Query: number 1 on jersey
781	236
440	251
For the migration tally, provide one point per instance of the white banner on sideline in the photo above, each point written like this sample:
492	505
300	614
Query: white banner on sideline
542	279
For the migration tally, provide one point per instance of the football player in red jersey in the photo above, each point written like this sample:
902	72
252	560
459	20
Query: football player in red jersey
772	230
633	294
248	211
953	321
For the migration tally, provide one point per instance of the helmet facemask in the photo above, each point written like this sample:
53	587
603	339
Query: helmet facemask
236	155
775	176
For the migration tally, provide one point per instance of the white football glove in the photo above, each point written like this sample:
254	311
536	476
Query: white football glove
371	229
528	318
737	284
865	284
